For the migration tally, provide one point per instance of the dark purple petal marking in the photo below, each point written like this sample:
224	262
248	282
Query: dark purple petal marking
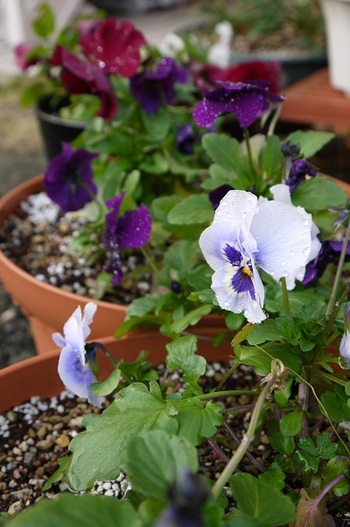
241	280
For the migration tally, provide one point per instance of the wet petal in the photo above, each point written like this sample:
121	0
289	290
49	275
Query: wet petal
134	228
283	237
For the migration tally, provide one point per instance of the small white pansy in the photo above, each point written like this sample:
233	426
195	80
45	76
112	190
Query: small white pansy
73	368
171	45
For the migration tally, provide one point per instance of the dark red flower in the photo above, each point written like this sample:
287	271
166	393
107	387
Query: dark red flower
249	71
79	76
114	46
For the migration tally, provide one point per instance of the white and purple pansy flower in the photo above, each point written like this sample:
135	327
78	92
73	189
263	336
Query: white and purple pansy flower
247	234
73	367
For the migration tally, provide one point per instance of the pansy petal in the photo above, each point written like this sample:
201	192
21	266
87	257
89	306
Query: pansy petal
134	228
76	376
345	348
73	334
283	238
228	298
88	316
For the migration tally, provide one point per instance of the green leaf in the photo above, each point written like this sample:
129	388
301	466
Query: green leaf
336	466
258	500
311	454
99	451
223	150
107	386
162	206
195	209
319	193
271	159
311	141
218	176
260	357
60	472
190	319
44	24
267	330
273	476
335	404
181	256
284	444
324	448
198	420
290	424
86	510
157	125
182	356
309	514
156	460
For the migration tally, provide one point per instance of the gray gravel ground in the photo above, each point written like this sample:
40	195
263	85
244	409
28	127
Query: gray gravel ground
21	157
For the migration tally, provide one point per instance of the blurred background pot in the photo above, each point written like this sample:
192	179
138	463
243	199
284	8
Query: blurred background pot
54	129
337	22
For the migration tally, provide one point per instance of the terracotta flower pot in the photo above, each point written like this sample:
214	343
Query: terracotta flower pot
38	375
48	307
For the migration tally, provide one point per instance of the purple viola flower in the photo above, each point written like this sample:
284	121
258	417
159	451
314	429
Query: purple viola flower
155	87
345	341
68	178
129	231
73	367
248	233
216	195
300	169
247	100
329	253
185	139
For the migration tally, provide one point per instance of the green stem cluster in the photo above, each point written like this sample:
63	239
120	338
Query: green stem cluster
249	436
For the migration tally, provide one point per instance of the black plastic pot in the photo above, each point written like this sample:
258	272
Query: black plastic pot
53	128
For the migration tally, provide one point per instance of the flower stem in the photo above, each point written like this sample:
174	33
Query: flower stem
249	436
150	261
337	278
249	149
285	296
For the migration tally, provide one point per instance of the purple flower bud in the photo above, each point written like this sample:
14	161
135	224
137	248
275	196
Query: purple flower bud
300	170
185	139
